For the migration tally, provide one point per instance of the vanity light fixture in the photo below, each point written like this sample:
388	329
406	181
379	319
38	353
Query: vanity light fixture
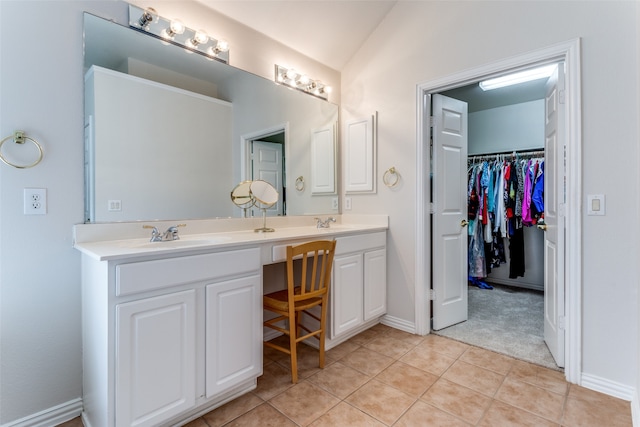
175	32
519	77
301	82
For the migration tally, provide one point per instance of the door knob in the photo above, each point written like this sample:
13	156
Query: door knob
542	227
464	223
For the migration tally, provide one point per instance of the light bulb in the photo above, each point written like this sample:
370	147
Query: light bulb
291	74
175	27
200	37
304	79
148	16
222	46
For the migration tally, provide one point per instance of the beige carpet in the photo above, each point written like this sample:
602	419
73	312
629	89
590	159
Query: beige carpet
506	320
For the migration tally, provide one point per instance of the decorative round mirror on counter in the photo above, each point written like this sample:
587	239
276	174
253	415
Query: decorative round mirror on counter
265	196
241	196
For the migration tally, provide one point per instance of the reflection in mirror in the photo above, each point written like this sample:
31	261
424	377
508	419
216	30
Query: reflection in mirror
265	196
241	196
256	107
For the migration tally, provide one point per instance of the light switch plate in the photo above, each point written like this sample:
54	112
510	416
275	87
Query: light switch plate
595	204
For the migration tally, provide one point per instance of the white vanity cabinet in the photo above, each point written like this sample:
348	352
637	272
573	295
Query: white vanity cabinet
166	337
359	290
155	358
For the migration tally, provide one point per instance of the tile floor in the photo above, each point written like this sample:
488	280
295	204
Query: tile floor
387	377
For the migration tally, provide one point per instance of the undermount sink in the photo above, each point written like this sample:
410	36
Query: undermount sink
183	242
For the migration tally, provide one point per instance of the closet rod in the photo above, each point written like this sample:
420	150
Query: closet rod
521	154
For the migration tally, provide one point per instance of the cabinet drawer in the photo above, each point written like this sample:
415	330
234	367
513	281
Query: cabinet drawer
279	252
360	243
163	273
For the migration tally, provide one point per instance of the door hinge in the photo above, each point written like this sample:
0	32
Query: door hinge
561	323
432	208
561	96
432	121
432	294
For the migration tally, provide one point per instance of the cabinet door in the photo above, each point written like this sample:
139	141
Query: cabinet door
346	294
155	358
375	284
234	333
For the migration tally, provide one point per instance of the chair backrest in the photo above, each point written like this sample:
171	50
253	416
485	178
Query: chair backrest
313	276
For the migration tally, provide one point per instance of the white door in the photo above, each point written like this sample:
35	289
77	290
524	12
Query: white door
554	194
267	166
449	160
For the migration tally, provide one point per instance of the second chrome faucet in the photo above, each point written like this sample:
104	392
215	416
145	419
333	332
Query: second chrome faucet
326	223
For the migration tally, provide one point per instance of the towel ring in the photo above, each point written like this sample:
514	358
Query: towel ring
19	138
391	177
300	183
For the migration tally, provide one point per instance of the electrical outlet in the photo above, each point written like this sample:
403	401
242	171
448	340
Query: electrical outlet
334	203
35	201
347	203
114	205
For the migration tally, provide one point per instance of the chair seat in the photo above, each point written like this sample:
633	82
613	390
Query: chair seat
280	300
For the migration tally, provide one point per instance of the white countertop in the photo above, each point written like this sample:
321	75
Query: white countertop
105	242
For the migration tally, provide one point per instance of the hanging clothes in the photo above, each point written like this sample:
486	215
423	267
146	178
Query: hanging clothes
503	196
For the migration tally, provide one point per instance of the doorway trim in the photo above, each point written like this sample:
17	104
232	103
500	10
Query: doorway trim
245	148
569	53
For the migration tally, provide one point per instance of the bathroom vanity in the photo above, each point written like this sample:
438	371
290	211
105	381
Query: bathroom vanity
173	329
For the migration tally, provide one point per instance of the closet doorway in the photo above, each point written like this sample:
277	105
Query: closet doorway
564	258
503	131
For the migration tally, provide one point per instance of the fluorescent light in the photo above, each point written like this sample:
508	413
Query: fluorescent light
520	77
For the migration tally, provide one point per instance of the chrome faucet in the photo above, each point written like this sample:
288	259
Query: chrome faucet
167	236
326	223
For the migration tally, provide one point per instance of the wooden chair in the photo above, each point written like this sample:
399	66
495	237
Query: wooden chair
307	287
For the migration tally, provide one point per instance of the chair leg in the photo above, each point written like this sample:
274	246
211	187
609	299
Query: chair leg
293	346
322	337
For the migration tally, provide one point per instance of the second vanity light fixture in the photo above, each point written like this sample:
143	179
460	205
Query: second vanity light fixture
175	32
302	82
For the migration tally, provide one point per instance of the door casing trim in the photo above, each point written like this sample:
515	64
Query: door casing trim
569	53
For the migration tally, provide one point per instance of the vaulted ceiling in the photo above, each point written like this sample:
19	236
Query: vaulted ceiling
329	31
332	31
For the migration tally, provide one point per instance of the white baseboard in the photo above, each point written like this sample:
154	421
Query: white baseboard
50	417
397	323
611	388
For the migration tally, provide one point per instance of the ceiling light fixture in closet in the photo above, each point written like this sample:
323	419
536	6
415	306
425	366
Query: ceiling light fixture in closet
519	77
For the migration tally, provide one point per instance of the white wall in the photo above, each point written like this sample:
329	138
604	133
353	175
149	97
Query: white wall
41	92
507	128
423	41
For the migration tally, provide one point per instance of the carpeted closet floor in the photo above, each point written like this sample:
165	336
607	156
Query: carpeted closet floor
507	320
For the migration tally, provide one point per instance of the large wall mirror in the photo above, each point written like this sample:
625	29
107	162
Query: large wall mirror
169	134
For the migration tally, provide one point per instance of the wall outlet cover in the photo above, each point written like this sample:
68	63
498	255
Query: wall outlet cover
35	201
